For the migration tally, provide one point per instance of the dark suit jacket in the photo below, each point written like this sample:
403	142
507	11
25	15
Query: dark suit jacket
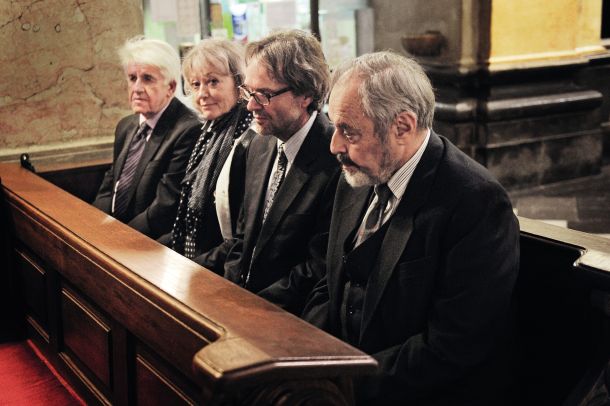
280	267
155	189
436	307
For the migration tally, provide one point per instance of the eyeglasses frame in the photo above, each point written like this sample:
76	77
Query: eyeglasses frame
268	95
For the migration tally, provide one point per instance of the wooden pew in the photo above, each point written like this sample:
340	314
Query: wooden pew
562	303
563	313
81	179
128	321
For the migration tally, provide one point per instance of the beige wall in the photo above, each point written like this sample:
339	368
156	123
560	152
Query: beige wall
504	33
60	82
541	31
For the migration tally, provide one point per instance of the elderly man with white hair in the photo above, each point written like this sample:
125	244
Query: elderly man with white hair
151	146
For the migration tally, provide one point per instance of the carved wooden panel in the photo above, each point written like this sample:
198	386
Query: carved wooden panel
86	335
155	387
33	279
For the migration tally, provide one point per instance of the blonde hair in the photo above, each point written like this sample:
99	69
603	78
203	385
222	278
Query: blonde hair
225	56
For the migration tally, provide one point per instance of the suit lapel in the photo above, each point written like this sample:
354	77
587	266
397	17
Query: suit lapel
304	165
120	160
261	156
400	228
236	176
152	145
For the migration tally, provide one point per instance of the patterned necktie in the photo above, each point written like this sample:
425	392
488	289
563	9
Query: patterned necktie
278	178
136	148
374	219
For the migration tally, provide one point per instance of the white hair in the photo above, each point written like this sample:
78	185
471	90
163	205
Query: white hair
152	52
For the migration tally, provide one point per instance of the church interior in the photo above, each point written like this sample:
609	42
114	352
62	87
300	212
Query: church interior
94	312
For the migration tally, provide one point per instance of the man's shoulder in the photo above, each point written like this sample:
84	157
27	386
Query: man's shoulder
461	182
322	127
261	143
180	115
316	149
320	134
460	166
127	124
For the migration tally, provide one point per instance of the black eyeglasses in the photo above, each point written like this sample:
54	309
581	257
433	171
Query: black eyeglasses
262	98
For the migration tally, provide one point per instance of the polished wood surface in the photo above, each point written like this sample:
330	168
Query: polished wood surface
113	291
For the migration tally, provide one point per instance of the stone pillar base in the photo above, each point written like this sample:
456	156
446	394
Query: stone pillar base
527	126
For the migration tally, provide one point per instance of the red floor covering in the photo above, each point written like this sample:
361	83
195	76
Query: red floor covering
27	379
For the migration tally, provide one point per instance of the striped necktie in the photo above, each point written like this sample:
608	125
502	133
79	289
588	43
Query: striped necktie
136	148
374	218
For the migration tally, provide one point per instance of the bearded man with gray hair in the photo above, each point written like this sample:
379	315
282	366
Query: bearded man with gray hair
151	146
423	248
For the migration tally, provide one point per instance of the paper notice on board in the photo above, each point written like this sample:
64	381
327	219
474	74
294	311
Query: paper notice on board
163	10
188	23
281	14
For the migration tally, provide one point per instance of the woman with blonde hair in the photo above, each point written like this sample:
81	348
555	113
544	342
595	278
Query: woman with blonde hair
212	190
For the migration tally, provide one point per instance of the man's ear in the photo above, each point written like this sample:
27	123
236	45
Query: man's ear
307	100
406	125
172	85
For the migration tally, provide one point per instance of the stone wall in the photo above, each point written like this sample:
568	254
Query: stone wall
515	80
395	19
61	84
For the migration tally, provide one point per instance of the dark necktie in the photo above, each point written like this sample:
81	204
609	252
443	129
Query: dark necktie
278	178
136	148
374	219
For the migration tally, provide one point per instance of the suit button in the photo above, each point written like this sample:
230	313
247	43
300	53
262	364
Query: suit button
350	310
344	259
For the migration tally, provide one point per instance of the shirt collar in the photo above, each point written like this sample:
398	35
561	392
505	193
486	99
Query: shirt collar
292	146
152	122
399	181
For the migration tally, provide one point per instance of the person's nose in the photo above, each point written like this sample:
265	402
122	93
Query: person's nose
253	105
138	86
337	144
202	92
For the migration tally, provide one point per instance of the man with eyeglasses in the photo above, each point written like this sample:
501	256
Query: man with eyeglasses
291	175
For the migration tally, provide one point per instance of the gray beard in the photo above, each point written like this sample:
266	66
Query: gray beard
362	177
359	179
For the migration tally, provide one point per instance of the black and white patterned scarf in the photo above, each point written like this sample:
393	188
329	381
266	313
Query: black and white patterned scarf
202	171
